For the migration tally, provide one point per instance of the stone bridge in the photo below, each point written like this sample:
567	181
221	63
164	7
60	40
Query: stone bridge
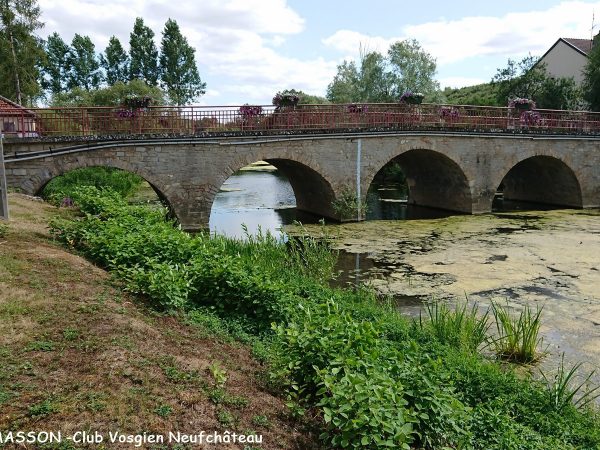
454	171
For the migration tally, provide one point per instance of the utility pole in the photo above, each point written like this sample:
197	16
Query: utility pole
3	191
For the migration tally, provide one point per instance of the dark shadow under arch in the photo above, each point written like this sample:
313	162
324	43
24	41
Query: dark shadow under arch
434	180
542	179
313	193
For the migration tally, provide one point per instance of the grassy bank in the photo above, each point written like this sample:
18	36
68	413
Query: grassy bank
371	378
77	352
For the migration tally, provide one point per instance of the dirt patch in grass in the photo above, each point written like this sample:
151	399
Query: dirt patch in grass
76	353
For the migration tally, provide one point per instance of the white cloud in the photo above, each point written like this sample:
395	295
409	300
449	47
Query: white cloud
353	42
512	35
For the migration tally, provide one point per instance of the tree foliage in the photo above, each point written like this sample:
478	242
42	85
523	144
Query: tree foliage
84	67
305	99
115	62
21	52
378	78
591	75
114	95
56	66
480	95
178	71
528	79
143	54
413	68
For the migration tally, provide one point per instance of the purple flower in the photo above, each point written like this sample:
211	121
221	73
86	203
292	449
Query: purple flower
449	112
521	102
530	118
250	110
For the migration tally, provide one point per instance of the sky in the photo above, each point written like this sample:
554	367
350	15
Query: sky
247	50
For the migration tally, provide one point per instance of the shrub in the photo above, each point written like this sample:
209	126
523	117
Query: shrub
348	206
120	181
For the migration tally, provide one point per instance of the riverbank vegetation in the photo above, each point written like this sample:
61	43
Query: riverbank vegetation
370	377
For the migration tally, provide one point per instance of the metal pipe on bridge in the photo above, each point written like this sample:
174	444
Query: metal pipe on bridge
3	186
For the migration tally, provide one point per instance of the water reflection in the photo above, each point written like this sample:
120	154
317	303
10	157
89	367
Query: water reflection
259	197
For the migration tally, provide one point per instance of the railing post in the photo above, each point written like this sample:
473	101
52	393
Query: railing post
3	187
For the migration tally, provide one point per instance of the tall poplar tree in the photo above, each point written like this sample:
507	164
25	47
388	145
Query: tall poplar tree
115	62
83	62
56	65
21	52
178	70
143	54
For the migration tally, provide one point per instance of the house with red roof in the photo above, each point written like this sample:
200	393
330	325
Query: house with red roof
16	120
567	58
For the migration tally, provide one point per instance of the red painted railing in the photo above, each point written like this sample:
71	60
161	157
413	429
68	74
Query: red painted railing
201	120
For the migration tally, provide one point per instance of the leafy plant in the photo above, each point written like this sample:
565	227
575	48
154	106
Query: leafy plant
218	373
518	337
163	410
3	230
348	206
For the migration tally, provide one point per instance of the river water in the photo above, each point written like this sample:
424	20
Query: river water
548	259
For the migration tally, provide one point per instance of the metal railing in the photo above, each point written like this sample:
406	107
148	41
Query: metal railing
206	120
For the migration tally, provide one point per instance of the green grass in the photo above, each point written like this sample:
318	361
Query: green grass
459	327
518	337
564	390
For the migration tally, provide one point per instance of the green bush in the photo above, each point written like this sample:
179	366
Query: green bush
122	182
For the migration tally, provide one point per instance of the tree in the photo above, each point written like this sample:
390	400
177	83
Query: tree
345	85
591	76
115	62
370	82
21	52
529	79
178	70
381	78
83	64
56	66
113	95
305	99
143	54
413	68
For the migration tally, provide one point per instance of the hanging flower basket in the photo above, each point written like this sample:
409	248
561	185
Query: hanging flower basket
136	102
522	104
285	100
412	98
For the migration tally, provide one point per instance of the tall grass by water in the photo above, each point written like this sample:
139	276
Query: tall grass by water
371	378
518	336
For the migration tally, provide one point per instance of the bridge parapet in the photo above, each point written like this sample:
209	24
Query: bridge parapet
163	121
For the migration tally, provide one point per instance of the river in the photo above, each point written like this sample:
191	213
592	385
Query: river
548	259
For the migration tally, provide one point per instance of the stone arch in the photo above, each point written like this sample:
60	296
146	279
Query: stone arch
60	165
434	180
313	192
543	179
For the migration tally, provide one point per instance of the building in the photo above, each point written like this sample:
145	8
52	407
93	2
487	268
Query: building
16	120
567	58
